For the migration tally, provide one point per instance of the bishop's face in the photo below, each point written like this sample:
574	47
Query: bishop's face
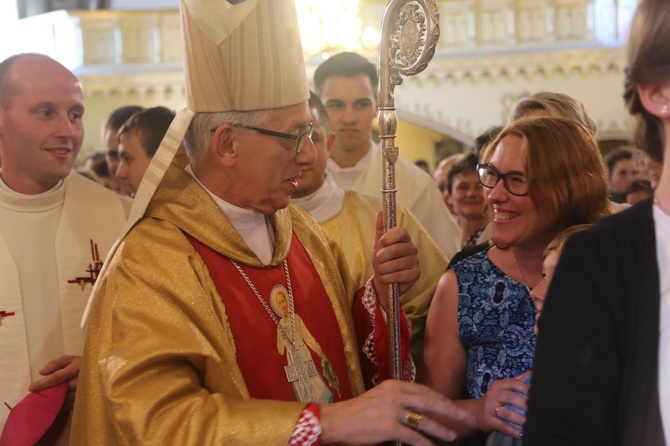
267	167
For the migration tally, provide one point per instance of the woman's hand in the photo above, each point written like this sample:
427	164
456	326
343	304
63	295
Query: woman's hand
490	413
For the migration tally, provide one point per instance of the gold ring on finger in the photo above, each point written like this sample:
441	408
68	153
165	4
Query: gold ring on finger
497	408
412	419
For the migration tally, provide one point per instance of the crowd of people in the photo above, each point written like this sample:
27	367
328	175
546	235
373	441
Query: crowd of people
227	279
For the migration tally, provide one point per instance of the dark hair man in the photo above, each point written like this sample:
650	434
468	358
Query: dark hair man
347	86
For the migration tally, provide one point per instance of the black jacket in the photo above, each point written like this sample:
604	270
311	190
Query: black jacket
596	365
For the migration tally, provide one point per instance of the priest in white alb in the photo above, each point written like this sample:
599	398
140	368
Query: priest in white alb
55	229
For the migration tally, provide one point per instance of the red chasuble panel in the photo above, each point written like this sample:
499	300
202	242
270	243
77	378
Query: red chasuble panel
311	365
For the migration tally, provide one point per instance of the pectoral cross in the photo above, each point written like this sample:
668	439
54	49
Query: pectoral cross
4	314
299	371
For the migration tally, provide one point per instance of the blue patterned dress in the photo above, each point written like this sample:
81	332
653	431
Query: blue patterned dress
496	316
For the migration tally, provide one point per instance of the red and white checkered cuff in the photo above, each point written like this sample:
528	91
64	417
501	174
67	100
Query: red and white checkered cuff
308	429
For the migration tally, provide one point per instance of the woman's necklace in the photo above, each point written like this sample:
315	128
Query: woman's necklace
518	268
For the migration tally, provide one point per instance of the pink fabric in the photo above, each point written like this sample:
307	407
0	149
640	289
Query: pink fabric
29	420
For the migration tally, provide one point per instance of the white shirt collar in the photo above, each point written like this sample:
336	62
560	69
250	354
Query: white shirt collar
325	203
32	203
254	227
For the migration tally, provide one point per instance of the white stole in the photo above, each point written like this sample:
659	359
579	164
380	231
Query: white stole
89	213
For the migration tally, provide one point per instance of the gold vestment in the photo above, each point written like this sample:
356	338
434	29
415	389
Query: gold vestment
160	360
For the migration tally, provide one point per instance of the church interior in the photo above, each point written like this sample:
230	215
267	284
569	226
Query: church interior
490	54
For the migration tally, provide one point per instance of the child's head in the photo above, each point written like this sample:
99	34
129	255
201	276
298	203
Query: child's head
551	256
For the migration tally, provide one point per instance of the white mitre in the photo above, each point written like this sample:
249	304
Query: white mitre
238	55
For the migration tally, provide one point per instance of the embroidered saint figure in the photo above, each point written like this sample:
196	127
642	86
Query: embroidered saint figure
301	371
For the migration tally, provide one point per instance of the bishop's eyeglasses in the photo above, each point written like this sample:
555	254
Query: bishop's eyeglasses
515	182
299	138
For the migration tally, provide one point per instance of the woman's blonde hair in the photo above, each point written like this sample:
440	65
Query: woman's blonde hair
554	104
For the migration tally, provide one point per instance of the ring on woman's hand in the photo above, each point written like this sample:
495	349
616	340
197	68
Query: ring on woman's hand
412	419
497	414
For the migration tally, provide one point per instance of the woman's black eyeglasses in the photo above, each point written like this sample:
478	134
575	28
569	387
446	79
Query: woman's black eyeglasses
515	182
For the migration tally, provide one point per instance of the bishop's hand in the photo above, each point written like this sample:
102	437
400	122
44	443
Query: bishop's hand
394	410
394	260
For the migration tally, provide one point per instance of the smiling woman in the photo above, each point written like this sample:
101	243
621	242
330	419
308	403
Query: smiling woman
541	175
